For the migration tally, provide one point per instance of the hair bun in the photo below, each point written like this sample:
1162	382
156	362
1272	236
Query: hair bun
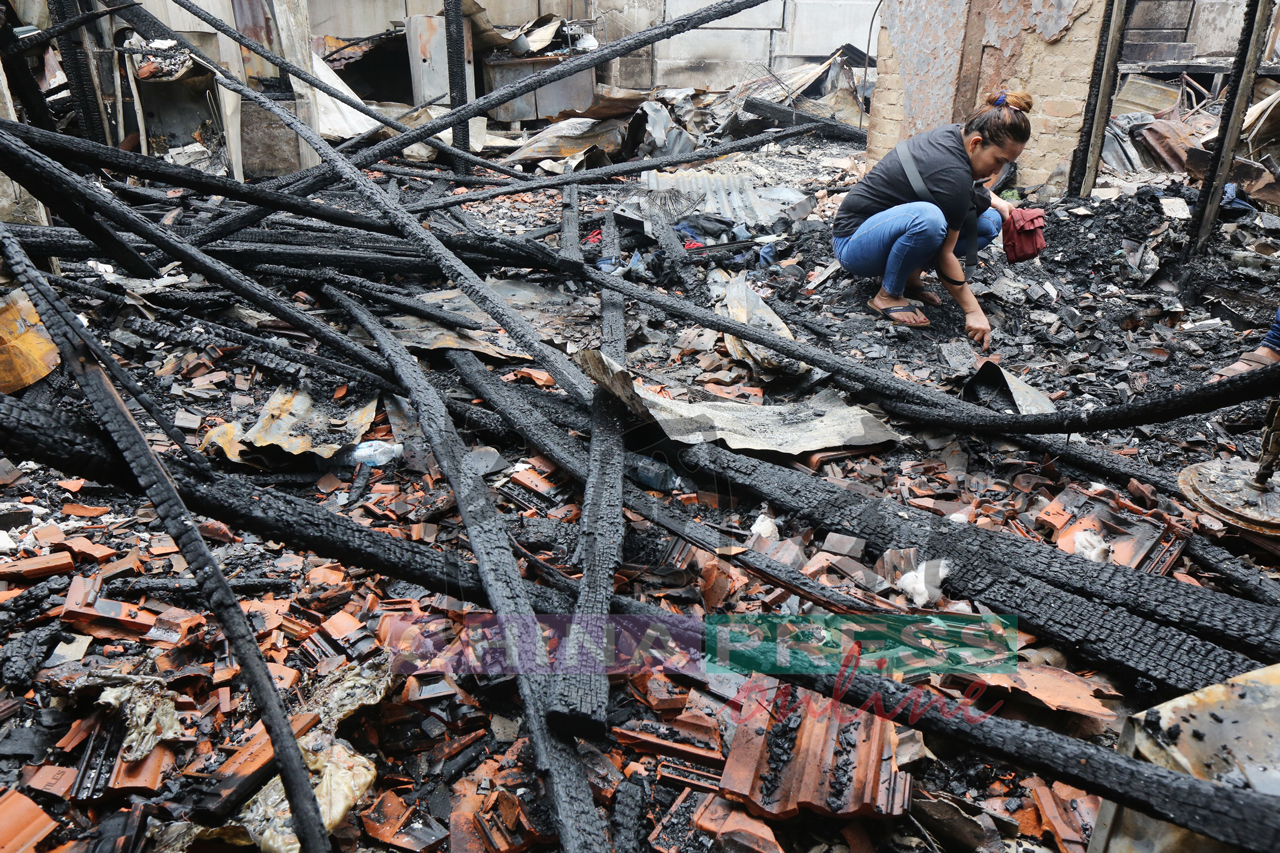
1018	100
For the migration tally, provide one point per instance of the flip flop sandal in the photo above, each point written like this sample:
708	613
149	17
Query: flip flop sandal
1251	361
887	313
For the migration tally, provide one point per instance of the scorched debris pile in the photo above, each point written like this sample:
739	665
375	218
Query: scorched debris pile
284	463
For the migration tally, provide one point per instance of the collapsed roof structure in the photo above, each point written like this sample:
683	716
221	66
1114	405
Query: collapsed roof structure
324	492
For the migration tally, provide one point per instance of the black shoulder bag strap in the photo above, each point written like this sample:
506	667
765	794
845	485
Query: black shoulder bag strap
970	231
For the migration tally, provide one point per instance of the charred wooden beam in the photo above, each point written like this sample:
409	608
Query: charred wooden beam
673	247
18	73
456	49
322	176
618	170
180	589
67	243
628	816
579	703
160	489
570	238
790	117
75	63
407	169
1131	596
578	823
17	152
376	292
568	455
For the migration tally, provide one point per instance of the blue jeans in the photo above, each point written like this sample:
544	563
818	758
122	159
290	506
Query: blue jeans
896	242
1272	340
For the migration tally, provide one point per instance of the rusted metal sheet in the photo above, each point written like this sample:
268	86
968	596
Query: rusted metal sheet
799	751
337	52
253	19
1169	140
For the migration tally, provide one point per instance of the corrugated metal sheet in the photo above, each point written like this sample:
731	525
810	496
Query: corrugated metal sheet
731	196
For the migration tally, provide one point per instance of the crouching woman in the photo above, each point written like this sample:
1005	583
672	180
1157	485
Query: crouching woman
884	229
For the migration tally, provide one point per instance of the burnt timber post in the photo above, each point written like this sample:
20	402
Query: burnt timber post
1084	165
455	40
1244	71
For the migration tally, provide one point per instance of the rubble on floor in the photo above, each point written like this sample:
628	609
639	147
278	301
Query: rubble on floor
649	394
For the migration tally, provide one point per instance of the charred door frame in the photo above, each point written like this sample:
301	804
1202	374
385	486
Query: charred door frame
1102	92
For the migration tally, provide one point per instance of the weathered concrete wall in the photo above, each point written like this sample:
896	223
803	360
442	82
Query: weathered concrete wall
721	53
918	66
777	34
1046	47
621	18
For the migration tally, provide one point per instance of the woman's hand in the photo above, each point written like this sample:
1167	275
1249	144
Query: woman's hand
978	328
1004	208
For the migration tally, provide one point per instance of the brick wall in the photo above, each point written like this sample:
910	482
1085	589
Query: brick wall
1049	54
887	112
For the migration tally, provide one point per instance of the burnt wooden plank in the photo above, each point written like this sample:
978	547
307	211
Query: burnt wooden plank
1114	596
578	703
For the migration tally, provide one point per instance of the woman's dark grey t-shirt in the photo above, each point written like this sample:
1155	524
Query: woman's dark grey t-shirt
944	166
